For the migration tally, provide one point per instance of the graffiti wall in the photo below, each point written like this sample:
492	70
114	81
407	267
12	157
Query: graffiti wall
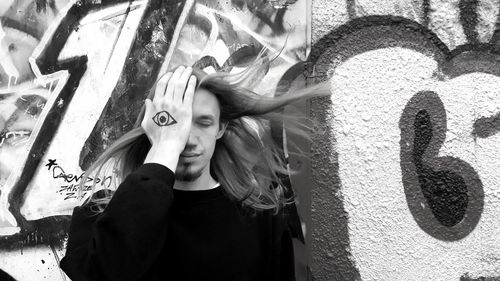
406	185
73	77
402	182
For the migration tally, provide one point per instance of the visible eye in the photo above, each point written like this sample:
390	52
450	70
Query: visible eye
205	123
163	118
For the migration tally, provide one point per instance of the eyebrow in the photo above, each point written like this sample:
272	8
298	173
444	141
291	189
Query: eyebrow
206	116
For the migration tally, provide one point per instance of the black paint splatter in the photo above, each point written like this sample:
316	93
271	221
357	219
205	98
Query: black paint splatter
466	277
351	8
52	162
445	191
444	194
426	9
469	19
486	126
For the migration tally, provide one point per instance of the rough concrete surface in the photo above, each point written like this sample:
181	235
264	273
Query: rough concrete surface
406	185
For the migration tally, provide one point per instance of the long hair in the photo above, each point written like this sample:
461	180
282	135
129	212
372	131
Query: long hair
248	164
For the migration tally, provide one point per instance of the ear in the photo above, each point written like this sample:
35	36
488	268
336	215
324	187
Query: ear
222	129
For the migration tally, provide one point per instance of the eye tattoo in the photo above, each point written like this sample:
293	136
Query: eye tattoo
163	118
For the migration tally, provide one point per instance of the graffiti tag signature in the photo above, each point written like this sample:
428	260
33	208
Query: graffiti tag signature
72	182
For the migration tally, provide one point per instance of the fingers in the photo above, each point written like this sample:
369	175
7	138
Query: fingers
161	86
175	86
181	85
169	93
191	87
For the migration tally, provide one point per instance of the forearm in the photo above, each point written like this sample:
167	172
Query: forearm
166	154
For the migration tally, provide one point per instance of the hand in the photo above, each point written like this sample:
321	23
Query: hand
167	119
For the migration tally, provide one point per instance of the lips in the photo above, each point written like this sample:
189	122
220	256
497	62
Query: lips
190	155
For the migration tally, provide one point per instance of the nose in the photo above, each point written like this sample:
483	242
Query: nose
192	140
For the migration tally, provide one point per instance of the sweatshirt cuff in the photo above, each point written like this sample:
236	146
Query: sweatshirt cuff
158	172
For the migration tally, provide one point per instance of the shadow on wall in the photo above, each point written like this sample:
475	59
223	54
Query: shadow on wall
5	277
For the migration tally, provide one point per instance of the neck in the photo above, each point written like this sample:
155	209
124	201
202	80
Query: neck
203	182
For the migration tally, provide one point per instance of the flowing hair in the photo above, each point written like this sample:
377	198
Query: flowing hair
247	162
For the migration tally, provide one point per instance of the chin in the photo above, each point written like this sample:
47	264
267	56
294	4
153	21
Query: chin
186	175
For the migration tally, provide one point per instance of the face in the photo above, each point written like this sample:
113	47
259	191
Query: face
206	129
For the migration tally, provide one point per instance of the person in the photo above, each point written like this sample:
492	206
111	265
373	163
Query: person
201	193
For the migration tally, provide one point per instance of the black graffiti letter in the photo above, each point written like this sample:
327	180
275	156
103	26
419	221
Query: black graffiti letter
444	194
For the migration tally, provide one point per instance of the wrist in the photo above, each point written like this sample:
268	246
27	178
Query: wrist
166	155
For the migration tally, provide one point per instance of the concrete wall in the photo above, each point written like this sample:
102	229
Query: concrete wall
406	185
401	183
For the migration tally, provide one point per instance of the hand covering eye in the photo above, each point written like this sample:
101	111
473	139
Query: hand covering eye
163	118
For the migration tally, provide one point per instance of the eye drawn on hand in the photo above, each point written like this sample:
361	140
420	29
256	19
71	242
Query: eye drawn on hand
163	118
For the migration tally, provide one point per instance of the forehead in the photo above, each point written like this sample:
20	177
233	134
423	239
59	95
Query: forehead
205	103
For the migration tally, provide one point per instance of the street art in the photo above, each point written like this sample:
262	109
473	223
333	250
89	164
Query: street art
444	194
405	171
407	188
73	77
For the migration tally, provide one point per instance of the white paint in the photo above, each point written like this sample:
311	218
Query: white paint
444	20
34	263
404	8
487	11
95	39
5	5
326	16
370	92
5	60
14	157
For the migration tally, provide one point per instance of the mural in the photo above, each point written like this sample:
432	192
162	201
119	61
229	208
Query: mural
404	173
406	184
73	77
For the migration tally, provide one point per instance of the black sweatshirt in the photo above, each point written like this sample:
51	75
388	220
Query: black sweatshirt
149	231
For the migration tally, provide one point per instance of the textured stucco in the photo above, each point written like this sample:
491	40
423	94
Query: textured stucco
377	213
403	174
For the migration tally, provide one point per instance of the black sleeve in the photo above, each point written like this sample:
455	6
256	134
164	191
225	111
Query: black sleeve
287	257
124	241
284	256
